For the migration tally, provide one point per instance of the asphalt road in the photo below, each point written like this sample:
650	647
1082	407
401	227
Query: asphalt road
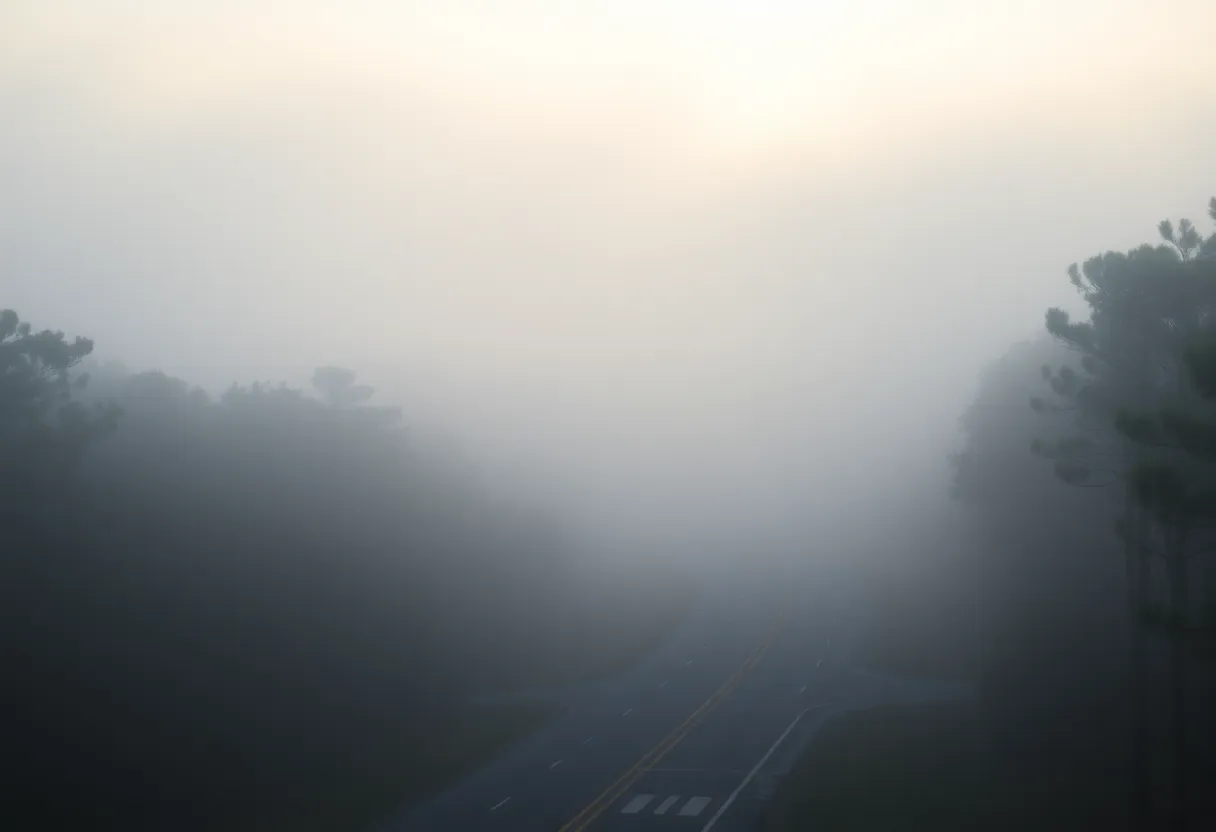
692	738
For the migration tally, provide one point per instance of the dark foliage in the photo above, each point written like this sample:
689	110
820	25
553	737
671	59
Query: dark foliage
213	597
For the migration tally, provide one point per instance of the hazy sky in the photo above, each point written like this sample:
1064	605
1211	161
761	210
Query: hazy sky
730	262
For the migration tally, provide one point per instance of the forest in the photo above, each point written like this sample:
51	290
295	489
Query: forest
1086	593
210	602
220	594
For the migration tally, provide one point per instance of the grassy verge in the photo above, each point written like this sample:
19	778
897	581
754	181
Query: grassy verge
915	767
131	772
363	778
370	777
904	767
374	775
934	766
285	751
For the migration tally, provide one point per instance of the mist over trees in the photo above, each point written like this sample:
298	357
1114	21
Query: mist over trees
218	588
213	591
1087	464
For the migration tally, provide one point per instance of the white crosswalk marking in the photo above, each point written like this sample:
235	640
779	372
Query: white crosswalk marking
666	804
637	804
694	806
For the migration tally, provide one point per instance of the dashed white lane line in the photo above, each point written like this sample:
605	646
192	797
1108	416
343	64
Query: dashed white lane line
589	739
555	765
802	691
499	804
687	663
637	804
818	663
628	712
664	683
666	804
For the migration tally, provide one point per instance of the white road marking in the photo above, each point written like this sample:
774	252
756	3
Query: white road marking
664	682
628	712
687	663
694	806
589	739
666	804
818	663
555	765
637	804
802	691
726	803
499	804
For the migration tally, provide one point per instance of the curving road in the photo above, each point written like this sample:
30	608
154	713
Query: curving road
693	738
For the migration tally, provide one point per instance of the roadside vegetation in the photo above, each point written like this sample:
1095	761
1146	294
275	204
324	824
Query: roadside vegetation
1082	602
930	766
267	604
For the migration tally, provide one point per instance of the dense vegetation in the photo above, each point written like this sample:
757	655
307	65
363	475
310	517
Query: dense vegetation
230	604
1076	580
1087	491
929	766
1130	423
211	595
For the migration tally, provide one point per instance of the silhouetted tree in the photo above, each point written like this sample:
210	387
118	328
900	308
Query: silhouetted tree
337	387
219	595
1143	423
43	433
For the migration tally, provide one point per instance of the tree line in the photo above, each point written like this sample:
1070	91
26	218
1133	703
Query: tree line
1090	462
206	595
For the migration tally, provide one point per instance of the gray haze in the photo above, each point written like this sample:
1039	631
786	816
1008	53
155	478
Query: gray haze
692	341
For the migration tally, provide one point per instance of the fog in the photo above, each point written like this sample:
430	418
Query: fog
689	285
566	241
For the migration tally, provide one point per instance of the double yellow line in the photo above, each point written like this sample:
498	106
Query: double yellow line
651	758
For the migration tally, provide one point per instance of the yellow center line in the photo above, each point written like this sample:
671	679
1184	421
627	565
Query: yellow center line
648	760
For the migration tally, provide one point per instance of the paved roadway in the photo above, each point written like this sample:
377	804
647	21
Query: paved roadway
691	739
